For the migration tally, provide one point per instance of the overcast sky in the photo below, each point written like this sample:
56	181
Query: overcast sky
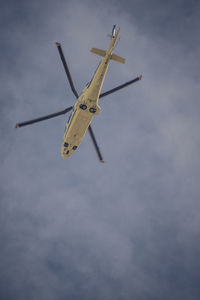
75	228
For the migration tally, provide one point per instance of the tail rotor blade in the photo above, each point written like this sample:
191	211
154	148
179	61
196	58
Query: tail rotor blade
62	112
121	86
95	144
66	69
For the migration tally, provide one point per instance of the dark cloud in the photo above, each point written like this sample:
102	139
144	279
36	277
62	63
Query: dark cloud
75	228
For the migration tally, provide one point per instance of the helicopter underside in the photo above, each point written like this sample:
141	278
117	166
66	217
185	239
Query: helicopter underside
76	128
86	106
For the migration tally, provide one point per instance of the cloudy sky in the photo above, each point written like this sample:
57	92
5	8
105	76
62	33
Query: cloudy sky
74	228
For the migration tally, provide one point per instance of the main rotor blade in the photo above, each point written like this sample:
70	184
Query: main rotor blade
95	144
120	86
66	69
62	112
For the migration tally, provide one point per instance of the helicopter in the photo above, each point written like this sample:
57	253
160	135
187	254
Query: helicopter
86	106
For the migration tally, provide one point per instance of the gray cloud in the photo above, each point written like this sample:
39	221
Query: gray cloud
77	229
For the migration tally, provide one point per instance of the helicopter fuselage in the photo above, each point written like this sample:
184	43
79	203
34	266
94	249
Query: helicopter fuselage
86	106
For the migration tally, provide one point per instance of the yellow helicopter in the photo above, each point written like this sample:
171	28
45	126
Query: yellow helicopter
86	106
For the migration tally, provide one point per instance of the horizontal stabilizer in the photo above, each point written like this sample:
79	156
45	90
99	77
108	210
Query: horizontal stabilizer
98	51
118	58
101	52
